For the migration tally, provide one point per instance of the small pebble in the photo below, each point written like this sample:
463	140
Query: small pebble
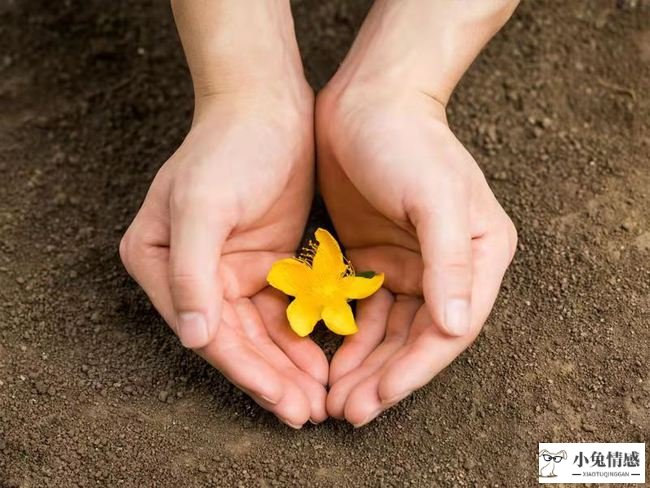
492	132
628	225
588	428
60	198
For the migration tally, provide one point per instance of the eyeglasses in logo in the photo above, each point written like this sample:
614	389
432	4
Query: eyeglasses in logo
549	460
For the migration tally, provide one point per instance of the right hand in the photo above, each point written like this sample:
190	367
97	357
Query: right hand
408	200
229	202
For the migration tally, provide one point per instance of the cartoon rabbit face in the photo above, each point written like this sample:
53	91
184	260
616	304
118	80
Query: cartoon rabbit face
550	459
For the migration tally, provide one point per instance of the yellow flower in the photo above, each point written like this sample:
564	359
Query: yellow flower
322	282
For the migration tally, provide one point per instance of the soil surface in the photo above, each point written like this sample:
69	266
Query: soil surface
96	391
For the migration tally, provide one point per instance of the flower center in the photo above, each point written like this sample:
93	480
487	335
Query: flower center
327	290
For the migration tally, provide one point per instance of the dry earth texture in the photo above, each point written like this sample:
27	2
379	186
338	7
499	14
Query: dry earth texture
96	391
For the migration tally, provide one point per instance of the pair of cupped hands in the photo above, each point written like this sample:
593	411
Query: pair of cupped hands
406	199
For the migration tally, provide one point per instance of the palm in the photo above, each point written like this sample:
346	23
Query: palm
378	189
232	200
254	346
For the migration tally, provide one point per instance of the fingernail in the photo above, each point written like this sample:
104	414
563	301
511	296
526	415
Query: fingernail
268	400
293	426
368	418
192	329
457	316
396	399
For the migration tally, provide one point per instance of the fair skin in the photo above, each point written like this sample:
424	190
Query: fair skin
408	199
233	199
405	197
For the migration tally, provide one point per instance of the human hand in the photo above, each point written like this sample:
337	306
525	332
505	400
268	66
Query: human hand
406	199
230	201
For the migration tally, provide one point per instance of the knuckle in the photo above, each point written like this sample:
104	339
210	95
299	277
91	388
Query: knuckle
189	290
230	283
143	243
199	199
190	192
184	197
511	233
184	281
456	181
129	249
186	291
124	249
456	262
132	251
454	272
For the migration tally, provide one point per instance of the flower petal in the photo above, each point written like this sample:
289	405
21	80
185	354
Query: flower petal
303	316
290	276
357	288
339	319
328	260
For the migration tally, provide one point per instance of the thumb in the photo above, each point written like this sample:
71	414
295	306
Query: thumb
196	242
446	247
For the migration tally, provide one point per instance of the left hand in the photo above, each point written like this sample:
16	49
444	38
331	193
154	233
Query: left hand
408	200
230	201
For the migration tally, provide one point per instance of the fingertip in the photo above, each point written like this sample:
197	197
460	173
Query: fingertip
197	329
318	406
366	419
457	316
335	402
362	407
363	404
192	329
391	389
294	408
269	394
266	400
289	423
450	313
314	392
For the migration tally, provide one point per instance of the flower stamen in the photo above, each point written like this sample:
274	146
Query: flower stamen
322	281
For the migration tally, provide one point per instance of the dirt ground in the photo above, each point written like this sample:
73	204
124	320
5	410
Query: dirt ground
96	391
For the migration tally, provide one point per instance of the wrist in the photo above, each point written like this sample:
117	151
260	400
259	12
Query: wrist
345	112
235	46
272	105
421	45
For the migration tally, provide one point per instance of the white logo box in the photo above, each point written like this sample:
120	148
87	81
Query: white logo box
591	462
